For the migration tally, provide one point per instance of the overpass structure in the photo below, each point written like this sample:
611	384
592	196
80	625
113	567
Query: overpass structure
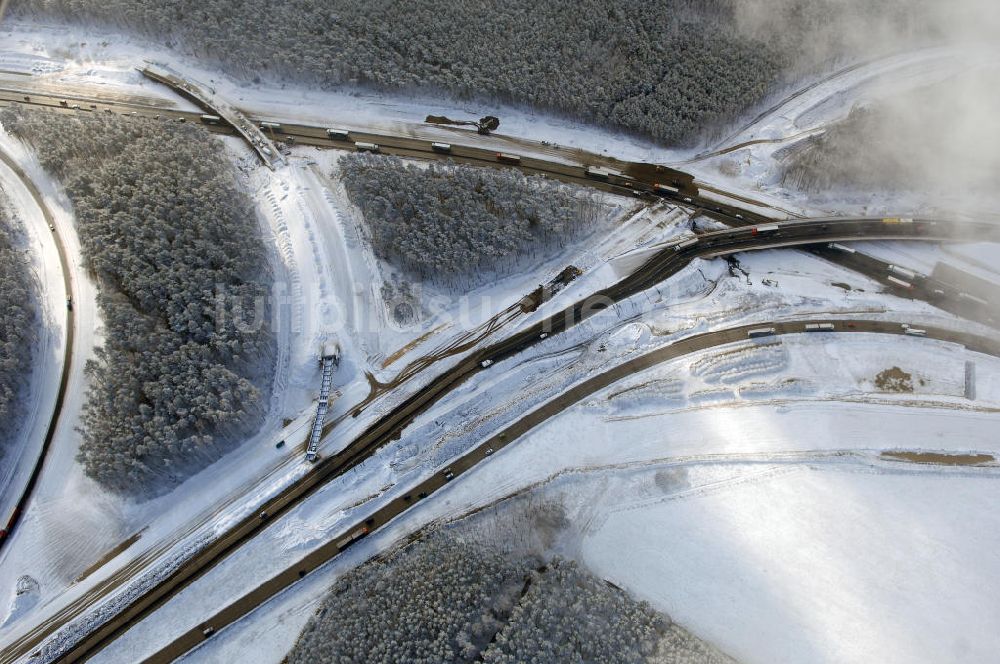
232	117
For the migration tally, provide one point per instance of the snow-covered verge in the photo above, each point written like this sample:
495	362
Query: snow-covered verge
444	315
36	403
72	526
103	61
698	456
752	159
315	295
69	519
815	562
77	56
300	205
762	414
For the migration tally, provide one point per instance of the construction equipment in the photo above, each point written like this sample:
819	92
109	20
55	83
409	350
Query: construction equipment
484	126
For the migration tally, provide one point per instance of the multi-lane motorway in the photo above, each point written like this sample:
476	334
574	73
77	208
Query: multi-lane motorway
751	231
668	261
484	450
566	164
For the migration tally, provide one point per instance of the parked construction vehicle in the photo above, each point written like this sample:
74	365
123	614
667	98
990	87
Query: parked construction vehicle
484	125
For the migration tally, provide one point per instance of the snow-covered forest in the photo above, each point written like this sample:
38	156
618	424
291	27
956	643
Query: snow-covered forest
670	70
449	599
461	226
567	615
440	600
940	138
18	304
165	229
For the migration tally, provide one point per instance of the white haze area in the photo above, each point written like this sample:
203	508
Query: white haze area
938	138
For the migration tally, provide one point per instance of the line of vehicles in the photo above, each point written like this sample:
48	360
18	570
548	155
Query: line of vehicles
352	537
690	240
758	332
602	173
384	514
329	360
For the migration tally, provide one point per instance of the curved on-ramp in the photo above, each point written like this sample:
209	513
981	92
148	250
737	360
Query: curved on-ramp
22	503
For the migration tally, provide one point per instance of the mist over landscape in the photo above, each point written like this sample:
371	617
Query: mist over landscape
371	331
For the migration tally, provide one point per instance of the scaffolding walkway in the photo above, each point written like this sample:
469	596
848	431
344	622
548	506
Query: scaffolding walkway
323	405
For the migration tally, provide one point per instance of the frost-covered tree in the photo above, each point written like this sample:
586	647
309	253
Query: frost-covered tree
568	615
18	302
439	600
166	229
669	69
458	225
446	598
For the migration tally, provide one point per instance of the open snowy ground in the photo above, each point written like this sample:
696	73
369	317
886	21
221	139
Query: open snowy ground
814	562
742	521
325	286
805	400
20	454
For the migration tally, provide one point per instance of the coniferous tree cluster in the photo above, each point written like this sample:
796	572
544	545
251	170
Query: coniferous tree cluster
934	140
568	615
669	69
436	601
460	226
448	599
17	326
166	230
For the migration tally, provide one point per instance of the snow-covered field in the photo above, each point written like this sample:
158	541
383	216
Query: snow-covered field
808	400
761	480
810	562
746	480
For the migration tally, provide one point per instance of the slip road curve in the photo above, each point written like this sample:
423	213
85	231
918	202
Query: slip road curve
645	181
668	261
692	344
685	195
22	503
